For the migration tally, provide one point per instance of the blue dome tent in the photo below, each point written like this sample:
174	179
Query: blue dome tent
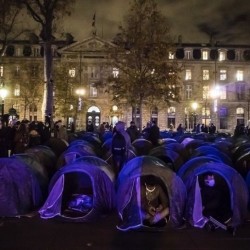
20	192
88	178
129	186
236	185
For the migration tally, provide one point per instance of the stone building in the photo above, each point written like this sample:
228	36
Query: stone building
215	85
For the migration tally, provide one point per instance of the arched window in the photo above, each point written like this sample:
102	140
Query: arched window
240	116
154	114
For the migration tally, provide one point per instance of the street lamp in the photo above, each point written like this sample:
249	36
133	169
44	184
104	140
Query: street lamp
3	94
215	94
80	93
194	106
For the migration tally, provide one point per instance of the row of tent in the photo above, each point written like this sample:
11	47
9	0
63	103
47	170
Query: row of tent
51	178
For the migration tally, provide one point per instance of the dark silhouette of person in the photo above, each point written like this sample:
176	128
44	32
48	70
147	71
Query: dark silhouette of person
154	134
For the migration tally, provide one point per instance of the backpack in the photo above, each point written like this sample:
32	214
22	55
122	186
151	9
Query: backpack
118	144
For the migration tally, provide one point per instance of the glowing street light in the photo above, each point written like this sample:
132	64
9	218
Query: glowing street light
3	94
194	106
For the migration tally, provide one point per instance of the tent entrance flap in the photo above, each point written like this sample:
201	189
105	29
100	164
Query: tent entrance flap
77	199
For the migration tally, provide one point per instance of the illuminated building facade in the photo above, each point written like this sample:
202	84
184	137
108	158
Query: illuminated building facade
215	84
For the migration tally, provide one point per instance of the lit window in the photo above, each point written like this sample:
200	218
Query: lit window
1	71
72	72
188	75
171	55
206	111
17	90
205	74
205	55
239	111
223	74
18	52
222	56
115	72
188	91
205	93
171	110
239	75
188	54
93	90
17	71
223	92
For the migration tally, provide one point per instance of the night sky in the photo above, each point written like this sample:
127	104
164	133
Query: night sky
195	20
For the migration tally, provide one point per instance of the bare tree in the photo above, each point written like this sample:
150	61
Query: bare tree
48	13
146	75
9	13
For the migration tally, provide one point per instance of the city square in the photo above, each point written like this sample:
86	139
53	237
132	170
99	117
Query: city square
124	125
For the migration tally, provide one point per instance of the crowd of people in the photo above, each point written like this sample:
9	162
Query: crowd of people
17	136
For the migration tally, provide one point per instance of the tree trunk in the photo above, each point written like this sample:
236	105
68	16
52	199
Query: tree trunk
48	103
140	108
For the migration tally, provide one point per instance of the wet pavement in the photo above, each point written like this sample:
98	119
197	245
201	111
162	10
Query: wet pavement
35	233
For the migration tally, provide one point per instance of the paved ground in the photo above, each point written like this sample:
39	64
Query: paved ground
35	234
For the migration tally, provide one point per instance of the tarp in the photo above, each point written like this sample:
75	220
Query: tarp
236	184
128	191
20	191
88	175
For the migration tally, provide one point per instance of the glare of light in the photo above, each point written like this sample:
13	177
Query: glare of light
3	93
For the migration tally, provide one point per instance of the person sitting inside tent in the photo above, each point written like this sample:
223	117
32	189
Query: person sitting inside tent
216	202
154	202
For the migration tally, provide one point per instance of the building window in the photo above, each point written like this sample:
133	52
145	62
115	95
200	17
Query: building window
34	71
188	92
240	111
223	74
205	92
18	52
171	117
93	90
1	71
93	72
204	55
223	92
240	116
205	74
240	92
72	72
17	71
171	55
188	54
115	72
222	56
188	74
239	75
36	52
17	90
